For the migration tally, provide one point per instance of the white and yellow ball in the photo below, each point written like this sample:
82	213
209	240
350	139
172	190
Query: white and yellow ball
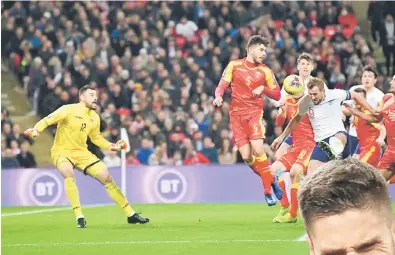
293	84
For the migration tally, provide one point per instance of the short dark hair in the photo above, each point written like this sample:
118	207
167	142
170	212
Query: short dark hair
306	56
360	90
257	39
370	69
316	82
85	88
342	185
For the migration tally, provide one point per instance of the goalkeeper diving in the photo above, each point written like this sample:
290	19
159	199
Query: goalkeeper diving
75	122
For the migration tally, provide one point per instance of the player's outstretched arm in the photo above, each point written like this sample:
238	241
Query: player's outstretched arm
272	89
362	101
102	143
274	94
383	133
51	119
223	84
365	116
281	116
345	111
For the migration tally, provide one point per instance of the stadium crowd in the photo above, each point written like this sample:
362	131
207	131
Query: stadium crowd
14	145
156	66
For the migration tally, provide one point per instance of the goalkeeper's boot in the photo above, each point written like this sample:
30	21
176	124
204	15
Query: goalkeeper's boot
136	218
287	218
277	189
270	200
81	223
326	148
282	212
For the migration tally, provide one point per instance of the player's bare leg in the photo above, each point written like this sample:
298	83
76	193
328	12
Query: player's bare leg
262	167
246	154
104	177
277	168
335	147
314	164
67	170
297	172
284	148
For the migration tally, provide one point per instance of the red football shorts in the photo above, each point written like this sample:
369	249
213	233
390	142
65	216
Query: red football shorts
298	155
387	161
247	127
370	155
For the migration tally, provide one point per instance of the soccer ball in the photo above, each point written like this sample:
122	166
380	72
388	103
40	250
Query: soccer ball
293	84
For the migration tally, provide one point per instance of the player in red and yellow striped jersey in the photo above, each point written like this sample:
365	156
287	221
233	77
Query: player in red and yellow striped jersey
75	122
250	80
296	159
386	164
367	133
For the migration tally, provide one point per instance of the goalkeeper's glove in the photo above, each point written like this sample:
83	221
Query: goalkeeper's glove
31	133
118	146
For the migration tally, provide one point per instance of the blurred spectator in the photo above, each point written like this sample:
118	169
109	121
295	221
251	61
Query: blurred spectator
209	150
195	158
9	160
387	40
226	154
25	158
131	159
112	159
375	13
145	151
159	157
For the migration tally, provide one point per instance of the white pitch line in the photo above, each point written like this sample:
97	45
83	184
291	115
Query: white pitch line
301	238
148	242
47	210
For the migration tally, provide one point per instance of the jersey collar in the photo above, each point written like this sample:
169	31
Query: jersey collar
83	107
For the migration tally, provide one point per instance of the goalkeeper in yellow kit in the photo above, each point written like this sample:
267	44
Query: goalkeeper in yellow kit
75	122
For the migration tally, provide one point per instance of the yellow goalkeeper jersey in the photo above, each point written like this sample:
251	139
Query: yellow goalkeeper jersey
75	122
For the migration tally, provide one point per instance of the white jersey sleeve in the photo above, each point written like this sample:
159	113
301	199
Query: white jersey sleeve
341	95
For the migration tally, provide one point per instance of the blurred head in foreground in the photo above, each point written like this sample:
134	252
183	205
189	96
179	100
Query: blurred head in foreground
347	210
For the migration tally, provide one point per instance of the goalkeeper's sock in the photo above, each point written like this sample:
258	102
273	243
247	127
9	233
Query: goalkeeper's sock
262	168
294	200
284	201
116	195
72	194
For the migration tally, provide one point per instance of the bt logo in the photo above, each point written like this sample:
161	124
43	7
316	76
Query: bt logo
170	186
45	189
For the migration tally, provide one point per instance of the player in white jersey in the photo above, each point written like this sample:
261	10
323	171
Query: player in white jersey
305	66
374	96
325	114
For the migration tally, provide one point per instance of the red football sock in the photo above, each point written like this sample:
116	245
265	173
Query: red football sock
262	168
284	201
294	200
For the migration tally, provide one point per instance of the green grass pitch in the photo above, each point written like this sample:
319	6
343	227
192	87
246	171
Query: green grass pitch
174	229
